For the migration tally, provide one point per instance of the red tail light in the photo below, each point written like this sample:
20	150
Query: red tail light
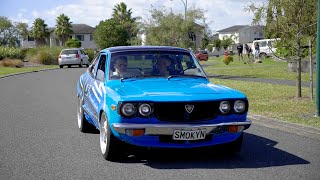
77	55
59	56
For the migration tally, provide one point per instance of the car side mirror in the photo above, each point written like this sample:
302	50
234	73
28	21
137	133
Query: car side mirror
100	75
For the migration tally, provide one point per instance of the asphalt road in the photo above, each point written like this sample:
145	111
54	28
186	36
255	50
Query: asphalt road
39	139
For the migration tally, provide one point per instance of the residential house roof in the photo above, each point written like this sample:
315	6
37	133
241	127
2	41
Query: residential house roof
78	29
238	27
232	28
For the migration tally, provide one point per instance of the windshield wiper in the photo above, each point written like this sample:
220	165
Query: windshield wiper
187	76
130	77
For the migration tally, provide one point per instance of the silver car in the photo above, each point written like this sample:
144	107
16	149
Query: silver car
74	56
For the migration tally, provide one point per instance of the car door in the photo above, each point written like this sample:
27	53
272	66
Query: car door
84	57
97	91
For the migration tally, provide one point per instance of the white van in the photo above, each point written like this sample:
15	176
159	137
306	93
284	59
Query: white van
266	47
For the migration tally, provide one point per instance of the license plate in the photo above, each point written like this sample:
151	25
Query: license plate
189	134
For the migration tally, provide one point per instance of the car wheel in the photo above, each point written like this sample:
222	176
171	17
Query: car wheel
108	142
263	55
83	124
61	66
81	63
69	66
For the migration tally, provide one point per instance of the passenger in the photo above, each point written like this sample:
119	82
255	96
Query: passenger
120	66
163	65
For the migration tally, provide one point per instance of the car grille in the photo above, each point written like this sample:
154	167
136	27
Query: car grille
176	111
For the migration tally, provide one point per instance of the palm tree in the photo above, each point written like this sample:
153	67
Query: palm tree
121	13
63	28
39	31
124	17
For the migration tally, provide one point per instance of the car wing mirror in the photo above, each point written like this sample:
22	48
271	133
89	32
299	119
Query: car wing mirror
100	75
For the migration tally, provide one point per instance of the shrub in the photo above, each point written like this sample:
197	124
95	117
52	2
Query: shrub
75	43
228	59
11	63
44	55
9	52
90	53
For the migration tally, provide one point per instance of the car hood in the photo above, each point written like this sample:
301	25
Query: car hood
178	89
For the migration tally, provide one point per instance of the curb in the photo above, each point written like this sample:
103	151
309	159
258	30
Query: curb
307	131
15	74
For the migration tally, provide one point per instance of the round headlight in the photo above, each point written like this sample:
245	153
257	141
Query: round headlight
224	107
239	106
145	109
128	109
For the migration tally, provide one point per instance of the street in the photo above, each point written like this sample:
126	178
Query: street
39	139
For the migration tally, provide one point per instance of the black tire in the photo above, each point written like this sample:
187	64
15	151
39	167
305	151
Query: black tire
60	66
109	145
83	124
69	66
81	63
263	55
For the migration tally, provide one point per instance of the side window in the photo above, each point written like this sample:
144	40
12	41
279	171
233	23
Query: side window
101	68
93	65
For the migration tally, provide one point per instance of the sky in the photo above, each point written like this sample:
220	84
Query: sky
219	14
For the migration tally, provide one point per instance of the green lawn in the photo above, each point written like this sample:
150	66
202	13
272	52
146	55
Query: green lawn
276	101
267	69
7	70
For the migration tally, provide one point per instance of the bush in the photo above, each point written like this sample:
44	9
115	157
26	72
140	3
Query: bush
74	43
228	59
90	53
44	55
11	63
9	52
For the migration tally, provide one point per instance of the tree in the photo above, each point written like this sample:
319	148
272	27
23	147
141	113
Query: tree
110	33
171	29
217	44
293	21
226	42
63	28
125	19
39	31
11	33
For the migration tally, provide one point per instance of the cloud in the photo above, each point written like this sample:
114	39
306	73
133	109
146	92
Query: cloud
219	14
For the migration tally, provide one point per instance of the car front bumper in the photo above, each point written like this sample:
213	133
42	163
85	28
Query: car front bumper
160	135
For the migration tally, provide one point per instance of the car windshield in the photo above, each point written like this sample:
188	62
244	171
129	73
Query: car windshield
146	64
69	52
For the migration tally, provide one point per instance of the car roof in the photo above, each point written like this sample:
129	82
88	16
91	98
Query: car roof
72	49
144	48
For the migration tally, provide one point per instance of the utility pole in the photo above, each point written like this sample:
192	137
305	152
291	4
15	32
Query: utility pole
185	8
311	69
318	65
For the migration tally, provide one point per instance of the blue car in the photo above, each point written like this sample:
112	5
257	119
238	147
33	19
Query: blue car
157	97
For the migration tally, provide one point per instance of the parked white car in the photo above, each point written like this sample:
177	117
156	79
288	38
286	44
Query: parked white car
74	56
266	47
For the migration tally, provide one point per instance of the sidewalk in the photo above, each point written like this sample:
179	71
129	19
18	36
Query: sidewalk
262	80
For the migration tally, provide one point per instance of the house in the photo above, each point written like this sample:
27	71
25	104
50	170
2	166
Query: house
82	32
242	33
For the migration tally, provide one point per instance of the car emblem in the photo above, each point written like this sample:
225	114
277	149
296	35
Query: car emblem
189	108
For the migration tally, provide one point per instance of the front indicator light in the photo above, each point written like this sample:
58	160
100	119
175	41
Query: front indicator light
135	132
234	129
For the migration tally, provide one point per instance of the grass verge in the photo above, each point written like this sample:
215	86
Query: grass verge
269	69
8	70
276	101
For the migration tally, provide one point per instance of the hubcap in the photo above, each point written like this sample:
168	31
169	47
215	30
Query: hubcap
80	113
103	135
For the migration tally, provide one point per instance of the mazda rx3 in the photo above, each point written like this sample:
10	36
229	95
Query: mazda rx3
146	108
